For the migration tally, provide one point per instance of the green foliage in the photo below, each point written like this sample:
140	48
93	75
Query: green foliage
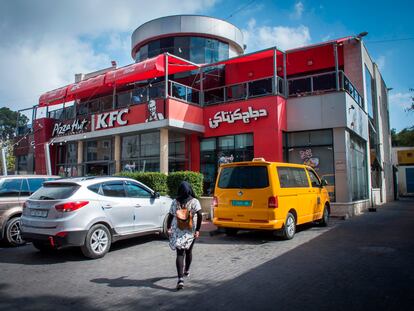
9	120
155	180
404	138
10	158
194	178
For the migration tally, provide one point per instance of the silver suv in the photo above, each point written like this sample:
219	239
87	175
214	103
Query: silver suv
14	191
92	212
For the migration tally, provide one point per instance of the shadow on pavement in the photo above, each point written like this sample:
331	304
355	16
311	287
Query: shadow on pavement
51	302
124	282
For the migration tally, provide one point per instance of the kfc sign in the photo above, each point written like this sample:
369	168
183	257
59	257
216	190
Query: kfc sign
111	119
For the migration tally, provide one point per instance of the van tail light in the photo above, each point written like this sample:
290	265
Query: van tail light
272	202
70	206
215	202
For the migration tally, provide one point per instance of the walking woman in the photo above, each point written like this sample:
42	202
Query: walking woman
183	224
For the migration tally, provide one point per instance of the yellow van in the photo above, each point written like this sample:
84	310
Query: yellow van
268	196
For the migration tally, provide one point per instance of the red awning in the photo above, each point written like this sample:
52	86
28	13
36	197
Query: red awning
54	97
148	69
87	88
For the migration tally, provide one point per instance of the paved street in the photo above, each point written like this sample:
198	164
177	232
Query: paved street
362	263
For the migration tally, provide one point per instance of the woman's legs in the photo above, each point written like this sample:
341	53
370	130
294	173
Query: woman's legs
189	257
179	262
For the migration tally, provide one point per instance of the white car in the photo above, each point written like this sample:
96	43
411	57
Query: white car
92	212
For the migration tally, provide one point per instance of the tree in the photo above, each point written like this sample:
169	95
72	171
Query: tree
10	158
9	120
405	138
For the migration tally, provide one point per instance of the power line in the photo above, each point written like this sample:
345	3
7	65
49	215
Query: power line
390	40
240	9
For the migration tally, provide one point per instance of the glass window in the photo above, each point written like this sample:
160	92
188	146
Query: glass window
260	87
123	99
197	50
369	94
55	191
324	82
130	147
35	183
98	150
181	47
154	48
358	176
22	163
150	144
299	86
106	103
113	189
290	177
10	187
243	177
96	188
208	144
24	191
314	179
226	142
94	106
136	191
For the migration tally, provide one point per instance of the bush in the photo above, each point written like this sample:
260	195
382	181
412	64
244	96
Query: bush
155	180
194	178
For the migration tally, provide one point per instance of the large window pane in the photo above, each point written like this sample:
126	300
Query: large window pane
150	144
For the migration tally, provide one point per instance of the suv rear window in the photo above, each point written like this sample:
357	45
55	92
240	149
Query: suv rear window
244	177
55	191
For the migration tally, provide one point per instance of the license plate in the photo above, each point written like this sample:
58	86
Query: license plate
241	202
38	213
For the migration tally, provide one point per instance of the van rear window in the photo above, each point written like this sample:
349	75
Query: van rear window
55	191
243	177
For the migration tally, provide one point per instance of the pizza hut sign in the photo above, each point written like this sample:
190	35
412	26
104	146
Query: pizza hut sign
76	126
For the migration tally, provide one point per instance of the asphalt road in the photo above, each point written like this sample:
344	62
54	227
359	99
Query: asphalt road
363	263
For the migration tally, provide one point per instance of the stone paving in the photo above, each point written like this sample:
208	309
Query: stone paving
354	264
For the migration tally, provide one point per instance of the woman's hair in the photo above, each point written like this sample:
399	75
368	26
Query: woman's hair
185	192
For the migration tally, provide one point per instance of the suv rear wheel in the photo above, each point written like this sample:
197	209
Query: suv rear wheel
13	234
97	242
289	229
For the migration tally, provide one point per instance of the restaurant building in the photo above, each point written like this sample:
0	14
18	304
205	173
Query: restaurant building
193	100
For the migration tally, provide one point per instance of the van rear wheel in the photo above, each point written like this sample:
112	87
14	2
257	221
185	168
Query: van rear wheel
289	229
231	231
325	217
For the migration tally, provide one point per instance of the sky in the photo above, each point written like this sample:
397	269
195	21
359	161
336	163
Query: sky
44	43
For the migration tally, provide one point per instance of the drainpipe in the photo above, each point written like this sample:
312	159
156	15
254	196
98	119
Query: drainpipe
166	75
335	48
275	84
47	160
285	75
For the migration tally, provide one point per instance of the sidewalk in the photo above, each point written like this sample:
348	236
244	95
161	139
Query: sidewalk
207	227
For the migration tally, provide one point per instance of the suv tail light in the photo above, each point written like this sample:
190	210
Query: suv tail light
70	206
215	202
24	205
272	202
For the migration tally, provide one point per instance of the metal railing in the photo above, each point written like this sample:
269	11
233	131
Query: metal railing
321	83
184	92
243	91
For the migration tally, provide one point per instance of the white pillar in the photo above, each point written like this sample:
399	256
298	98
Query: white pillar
164	150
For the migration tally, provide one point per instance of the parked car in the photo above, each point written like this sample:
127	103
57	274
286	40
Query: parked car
92	212
268	196
14	191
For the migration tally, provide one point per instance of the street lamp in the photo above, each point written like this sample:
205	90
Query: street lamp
361	35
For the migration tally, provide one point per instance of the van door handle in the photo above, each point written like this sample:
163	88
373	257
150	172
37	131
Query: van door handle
137	205
107	206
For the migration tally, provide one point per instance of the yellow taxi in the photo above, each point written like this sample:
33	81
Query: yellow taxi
268	196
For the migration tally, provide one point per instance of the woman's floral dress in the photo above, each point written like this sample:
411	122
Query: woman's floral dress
182	239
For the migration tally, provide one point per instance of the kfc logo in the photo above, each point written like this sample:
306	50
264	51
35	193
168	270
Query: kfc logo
110	119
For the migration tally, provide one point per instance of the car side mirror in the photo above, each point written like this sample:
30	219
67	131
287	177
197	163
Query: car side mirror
156	195
324	183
